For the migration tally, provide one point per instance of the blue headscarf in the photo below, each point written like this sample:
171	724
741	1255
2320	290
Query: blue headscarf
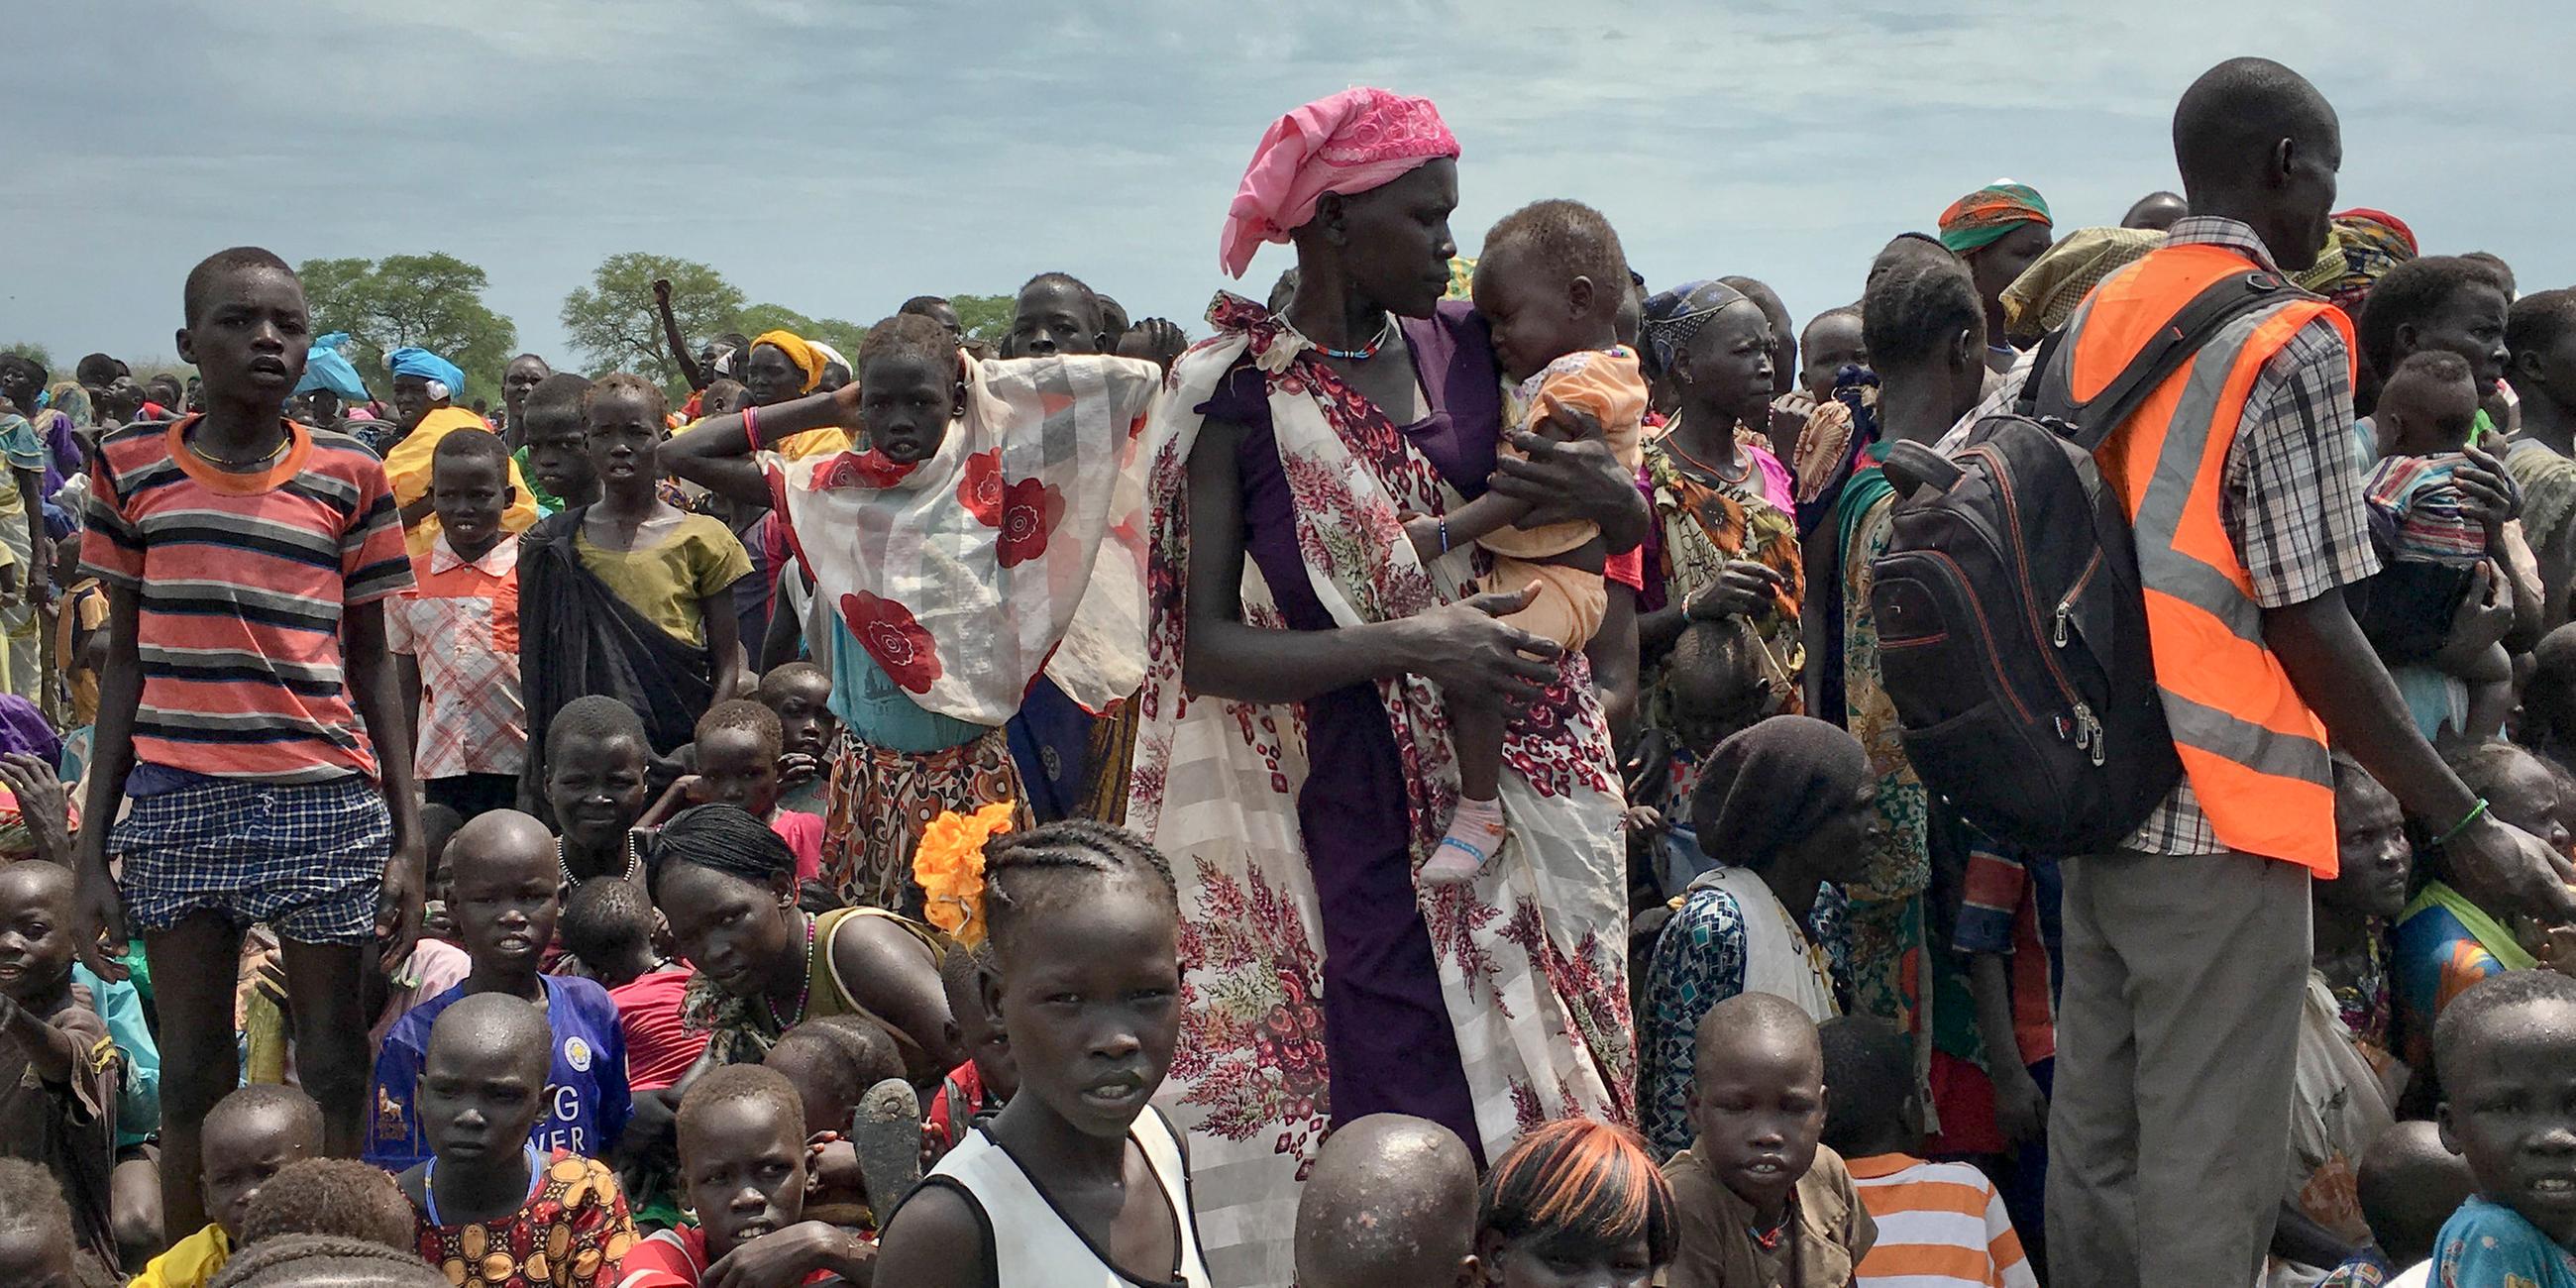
445	381
1674	316
325	367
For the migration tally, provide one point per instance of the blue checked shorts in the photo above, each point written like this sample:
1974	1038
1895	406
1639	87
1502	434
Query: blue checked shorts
307	858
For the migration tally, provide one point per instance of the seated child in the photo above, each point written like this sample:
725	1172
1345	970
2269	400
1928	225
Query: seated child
2506	1051
830	1063
529	1217
2456	933
1551	281
37	1245
801	694
608	926
339	1198
455	633
2410	1184
1761	1200
977	1089
737	755
742	1161
1579	1199
252	1134
1939	1223
630	597
506	908
1784	808
59	1070
597	757
1391	1203
1083	911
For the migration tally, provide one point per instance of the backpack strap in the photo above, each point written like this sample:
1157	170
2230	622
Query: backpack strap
2200	321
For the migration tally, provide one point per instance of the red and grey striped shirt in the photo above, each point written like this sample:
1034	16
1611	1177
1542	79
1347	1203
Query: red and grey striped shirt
243	578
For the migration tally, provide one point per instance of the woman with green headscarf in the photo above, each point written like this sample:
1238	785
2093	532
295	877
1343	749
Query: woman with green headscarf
1998	231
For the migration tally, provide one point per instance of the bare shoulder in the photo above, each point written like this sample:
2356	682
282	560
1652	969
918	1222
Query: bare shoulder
938	1239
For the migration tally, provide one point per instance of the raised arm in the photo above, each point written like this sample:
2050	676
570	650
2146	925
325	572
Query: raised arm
717	453
671	334
1459	646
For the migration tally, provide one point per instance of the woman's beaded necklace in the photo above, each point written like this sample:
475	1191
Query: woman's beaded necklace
804	990
634	862
1366	352
1672	443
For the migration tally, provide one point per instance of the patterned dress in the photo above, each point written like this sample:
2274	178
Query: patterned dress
572	1233
1886	928
1703	521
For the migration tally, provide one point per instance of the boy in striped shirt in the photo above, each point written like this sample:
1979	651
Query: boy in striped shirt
1940	1225
246	692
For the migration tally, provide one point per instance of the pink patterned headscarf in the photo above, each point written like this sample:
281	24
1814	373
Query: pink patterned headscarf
1351	142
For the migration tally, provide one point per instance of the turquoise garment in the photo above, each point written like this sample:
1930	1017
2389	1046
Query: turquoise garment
138	1101
2488	1245
877	711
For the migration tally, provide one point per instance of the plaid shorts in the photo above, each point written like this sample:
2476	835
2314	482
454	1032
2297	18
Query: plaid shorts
308	859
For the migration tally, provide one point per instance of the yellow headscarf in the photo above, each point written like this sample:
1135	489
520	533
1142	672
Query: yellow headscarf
798	352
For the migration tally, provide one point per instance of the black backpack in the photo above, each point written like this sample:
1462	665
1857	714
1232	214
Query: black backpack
2012	631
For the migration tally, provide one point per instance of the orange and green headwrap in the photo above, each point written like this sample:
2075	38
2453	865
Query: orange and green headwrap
798	352
1981	218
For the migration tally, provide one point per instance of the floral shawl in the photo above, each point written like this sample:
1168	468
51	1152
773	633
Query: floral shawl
1530	955
1016	547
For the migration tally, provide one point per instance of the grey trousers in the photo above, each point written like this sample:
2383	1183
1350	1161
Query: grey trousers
2168	1134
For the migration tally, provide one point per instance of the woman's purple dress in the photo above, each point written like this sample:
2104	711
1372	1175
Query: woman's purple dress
1386	1031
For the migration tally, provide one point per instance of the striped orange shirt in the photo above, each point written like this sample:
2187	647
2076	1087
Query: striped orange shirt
1940	1225
243	579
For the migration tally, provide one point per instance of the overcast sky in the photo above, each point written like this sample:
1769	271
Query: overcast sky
836	156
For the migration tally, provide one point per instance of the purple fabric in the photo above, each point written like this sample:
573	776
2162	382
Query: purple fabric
62	448
23	728
1386	1030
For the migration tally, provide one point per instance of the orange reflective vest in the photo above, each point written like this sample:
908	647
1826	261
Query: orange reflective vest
2253	752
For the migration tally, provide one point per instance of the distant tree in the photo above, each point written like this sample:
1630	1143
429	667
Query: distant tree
614	326
434	301
985	317
30	349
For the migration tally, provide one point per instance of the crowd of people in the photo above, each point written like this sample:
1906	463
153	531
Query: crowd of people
1413	787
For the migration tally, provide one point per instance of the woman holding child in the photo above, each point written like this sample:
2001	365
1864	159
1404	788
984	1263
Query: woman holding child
1308	769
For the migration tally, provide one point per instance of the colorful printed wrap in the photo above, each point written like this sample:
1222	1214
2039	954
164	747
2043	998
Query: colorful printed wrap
1985	216
1018	547
1350	142
2362	247
1530	957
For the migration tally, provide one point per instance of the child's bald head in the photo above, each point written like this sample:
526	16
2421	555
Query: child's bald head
1757	1024
1391	1201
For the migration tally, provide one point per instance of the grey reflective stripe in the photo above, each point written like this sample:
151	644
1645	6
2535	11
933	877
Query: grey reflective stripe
2162	567
2244	742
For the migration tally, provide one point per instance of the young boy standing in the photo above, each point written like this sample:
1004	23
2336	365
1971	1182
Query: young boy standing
247	559
456	634
506	906
1941	1225
1762	1201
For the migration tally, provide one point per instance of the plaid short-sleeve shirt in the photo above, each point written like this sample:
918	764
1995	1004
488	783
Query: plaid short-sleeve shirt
460	622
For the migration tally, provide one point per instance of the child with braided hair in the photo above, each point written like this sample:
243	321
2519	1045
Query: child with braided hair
1078	1180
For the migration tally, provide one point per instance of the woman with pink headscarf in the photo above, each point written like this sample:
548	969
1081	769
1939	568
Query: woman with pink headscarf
1292	744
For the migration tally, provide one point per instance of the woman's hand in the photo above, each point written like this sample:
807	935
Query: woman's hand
2485	497
42	803
2484	616
783	1258
1157	339
1743	588
796	768
1574	482
1472	655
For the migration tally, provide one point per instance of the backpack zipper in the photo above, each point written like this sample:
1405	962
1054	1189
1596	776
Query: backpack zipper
2030	597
